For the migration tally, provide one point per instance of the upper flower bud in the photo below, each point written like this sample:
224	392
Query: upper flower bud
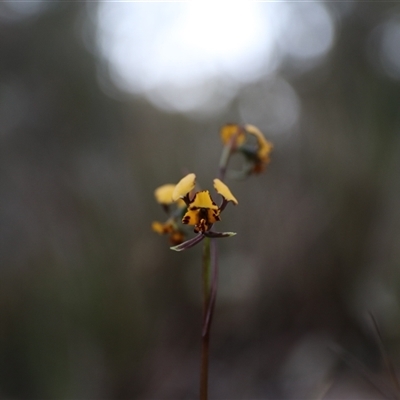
257	154
234	133
261	156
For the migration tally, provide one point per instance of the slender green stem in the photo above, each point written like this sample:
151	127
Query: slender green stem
206	272
209	283
223	162
213	289
205	337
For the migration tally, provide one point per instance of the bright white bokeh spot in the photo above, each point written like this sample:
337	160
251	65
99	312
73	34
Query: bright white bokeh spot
196	56
160	49
272	104
382	47
308	31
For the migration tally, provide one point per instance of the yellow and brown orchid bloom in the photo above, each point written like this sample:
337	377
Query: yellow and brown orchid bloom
193	208
202	212
239	139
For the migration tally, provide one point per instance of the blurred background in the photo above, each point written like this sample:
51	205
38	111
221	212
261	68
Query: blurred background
100	103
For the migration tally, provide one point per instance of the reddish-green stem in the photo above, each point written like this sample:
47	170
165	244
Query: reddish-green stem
209	284
205	336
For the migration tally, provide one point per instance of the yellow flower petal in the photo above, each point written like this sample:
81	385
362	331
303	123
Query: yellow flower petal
184	186
265	150
224	191
264	146
253	130
163	194
228	130
161	228
203	200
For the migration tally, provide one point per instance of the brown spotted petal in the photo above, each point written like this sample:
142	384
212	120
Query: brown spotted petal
202	212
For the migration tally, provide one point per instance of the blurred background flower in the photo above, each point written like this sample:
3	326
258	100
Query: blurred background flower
100	103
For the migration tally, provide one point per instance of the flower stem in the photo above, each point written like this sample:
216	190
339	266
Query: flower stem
223	162
210	283
213	290
205	341
205	336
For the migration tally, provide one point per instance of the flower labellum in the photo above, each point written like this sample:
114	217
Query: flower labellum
202	212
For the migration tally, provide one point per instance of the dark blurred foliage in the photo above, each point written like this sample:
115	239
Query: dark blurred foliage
94	305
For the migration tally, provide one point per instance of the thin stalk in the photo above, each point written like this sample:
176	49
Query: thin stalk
387	391
209	283
213	289
223	162
388	362
205	337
